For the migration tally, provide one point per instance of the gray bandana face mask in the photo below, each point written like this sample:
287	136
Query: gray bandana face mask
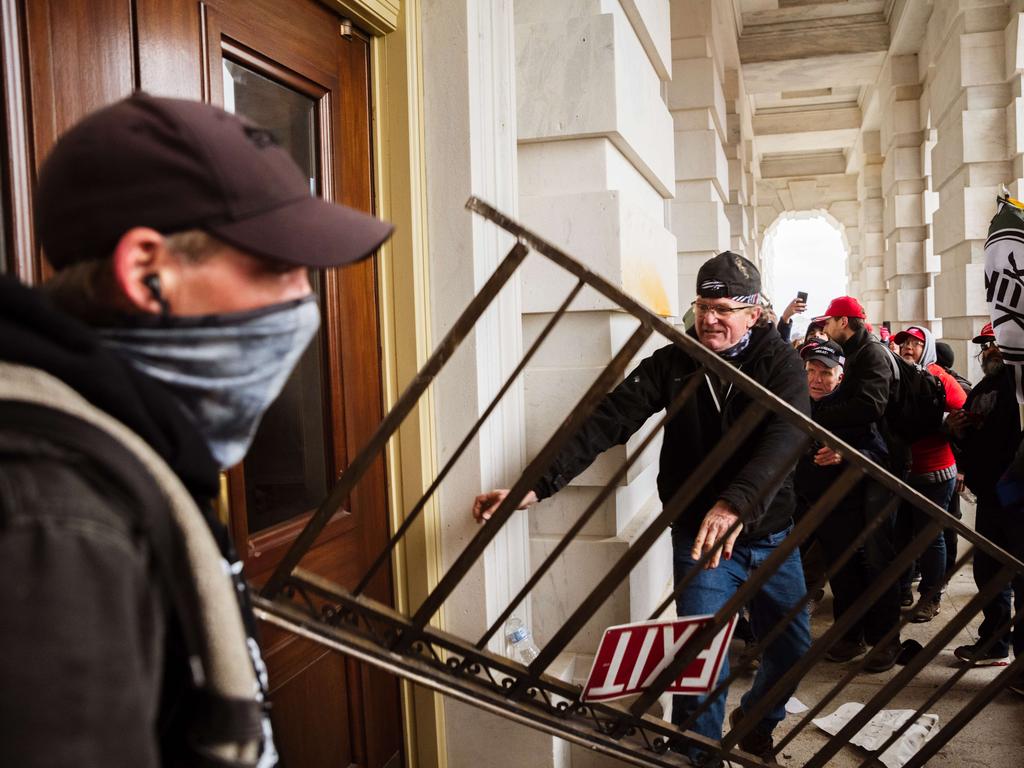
225	370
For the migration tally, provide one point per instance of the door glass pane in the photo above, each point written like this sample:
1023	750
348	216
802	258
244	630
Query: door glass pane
286	468
288	114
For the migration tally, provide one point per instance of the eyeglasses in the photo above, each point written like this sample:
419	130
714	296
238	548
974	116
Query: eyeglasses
718	310
988	345
911	343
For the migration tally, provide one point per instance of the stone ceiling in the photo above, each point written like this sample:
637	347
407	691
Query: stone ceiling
807	66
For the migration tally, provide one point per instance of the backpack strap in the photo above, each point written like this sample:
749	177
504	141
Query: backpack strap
185	552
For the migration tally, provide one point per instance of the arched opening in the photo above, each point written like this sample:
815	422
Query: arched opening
805	251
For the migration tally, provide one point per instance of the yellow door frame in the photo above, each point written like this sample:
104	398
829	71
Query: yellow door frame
404	300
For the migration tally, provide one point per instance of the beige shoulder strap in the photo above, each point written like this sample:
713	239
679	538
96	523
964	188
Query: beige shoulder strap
226	663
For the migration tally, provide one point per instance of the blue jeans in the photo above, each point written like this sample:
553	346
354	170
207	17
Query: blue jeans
933	559
710	590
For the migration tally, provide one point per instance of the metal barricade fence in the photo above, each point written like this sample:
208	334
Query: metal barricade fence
408	646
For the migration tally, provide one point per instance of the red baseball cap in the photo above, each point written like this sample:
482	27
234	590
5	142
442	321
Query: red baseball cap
844	306
911	332
173	165
986	335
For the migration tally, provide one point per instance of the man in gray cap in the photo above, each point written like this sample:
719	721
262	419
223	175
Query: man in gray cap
181	238
729	322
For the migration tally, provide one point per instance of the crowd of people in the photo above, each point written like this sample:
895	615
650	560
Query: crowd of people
973	452
860	388
127	627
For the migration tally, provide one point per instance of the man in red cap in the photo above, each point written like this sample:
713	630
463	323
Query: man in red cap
987	435
932	473
861	402
181	237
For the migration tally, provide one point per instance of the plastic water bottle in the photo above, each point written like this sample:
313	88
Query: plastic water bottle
518	642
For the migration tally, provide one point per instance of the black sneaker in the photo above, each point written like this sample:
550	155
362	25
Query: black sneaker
906	597
925	610
845	650
757	742
883	659
973	655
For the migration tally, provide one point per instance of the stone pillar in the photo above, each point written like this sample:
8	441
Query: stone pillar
909	298
595	174
968	97
870	225
470	147
697	100
1014	49
741	208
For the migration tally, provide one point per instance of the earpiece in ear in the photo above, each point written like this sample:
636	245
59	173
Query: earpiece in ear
152	282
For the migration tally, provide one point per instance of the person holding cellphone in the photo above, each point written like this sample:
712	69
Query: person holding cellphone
796	307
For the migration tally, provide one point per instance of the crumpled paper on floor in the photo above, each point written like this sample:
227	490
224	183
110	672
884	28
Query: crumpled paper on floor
879	728
794	706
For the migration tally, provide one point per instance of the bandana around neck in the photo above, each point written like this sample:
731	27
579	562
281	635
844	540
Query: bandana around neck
224	370
738	348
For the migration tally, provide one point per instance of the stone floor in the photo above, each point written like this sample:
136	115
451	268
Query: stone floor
994	739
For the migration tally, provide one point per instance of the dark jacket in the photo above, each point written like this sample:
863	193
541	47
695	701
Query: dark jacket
92	657
745	481
984	452
812	480
785	328
864	394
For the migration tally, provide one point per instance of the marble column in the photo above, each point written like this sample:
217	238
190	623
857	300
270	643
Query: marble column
741	208
595	170
870	225
968	95
470	148
698	104
909	299
1014	50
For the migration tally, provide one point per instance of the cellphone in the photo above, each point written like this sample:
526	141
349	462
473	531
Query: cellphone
802	295
887	324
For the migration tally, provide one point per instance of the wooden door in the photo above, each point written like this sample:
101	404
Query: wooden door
289	65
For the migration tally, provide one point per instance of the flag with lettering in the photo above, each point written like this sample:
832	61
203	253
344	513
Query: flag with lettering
1004	287
631	656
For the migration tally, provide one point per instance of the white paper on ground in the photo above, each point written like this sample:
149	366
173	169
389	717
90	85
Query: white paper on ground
794	706
879	728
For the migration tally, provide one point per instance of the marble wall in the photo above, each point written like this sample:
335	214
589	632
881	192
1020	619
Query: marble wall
596	171
968	95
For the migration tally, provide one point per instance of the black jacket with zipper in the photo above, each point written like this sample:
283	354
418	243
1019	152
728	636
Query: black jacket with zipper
746	479
867	382
92	656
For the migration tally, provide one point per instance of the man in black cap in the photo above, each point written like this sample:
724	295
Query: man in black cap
817	470
754	486
181	238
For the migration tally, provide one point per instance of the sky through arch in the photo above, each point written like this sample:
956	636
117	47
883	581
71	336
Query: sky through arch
804	252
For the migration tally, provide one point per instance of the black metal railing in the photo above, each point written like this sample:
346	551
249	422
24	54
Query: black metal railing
409	646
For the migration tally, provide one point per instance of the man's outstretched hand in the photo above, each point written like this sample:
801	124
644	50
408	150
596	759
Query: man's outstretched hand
485	504
716	525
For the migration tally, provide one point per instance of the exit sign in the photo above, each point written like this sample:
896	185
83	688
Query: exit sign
631	656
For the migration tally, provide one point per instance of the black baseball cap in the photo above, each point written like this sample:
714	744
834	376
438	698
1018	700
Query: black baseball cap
173	165
729	275
827	352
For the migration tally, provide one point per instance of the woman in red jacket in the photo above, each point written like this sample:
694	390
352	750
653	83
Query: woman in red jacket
932	470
